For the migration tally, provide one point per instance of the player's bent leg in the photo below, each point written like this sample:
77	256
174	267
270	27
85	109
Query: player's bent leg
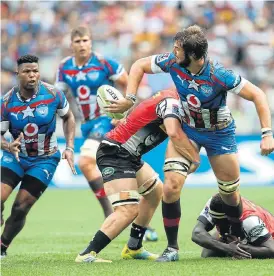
87	164
151	189
30	190
124	197
227	171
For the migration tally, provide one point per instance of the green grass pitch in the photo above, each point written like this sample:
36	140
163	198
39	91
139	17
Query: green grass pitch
64	221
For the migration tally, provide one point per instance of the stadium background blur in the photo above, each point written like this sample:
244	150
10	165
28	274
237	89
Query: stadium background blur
240	35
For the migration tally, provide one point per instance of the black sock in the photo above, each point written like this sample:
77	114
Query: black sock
99	242
171	216
137	233
4	247
97	187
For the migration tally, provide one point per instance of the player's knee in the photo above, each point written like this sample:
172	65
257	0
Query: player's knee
21	209
86	164
228	187
173	185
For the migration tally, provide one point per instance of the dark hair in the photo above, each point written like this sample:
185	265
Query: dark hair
216	204
80	31
27	59
193	41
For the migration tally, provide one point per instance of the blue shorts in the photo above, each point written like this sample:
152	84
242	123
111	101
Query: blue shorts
96	128
215	142
42	168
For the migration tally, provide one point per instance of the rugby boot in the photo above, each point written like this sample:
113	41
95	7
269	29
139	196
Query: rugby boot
90	258
139	254
169	255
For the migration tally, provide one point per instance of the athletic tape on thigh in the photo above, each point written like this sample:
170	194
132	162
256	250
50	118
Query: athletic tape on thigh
228	187
149	185
177	164
89	148
124	198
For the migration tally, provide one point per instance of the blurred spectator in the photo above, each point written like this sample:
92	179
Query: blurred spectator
240	35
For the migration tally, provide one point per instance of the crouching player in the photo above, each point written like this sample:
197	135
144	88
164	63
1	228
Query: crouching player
29	111
258	225
126	176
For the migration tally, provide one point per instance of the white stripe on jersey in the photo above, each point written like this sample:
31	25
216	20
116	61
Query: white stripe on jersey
154	67
53	142
120	71
23	147
238	88
186	110
63	111
5	125
41	144
206	117
223	114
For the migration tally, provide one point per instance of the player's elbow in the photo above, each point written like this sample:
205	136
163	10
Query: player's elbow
196	233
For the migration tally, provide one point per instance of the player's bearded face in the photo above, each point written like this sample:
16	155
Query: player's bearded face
182	58
81	46
29	75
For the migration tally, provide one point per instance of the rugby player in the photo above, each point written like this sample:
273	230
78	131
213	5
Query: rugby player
202	85
126	176
79	76
29	111
258	225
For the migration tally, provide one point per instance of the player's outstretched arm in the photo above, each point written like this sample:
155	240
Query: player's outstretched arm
201	236
252	93
263	251
181	141
137	71
69	132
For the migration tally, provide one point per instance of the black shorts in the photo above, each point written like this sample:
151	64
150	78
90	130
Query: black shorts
115	162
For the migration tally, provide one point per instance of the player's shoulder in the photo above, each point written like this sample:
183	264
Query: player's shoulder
67	61
48	88
7	96
165	57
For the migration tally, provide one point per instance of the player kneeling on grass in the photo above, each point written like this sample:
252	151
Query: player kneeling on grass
126	176
258	225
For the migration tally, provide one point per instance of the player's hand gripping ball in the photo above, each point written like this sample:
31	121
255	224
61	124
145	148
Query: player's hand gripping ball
106	95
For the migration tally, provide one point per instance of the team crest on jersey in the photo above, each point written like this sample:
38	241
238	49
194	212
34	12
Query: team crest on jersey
162	57
193	101
30	129
206	90
83	92
93	75
42	110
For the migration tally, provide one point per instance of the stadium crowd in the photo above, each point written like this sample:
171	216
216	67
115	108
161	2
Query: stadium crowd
240	35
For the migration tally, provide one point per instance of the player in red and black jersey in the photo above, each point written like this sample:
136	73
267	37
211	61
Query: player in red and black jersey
126	176
258	226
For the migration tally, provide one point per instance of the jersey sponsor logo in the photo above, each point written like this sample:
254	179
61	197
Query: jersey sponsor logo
83	92
175	109
132	172
151	139
7	159
206	90
180	79
108	171
162	57
30	130
47	173
42	110
193	101
256	231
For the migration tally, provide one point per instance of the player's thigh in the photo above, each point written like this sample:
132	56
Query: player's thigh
225	167
148	180
88	152
11	175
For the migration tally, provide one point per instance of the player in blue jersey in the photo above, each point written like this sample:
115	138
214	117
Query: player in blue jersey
28	112
202	85
79	76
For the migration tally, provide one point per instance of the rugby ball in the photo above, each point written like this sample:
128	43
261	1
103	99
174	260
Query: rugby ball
106	93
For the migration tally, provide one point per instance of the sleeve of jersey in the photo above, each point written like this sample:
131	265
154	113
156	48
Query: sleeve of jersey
255	230
63	105
205	217
60	83
114	68
161	63
169	108
231	81
4	119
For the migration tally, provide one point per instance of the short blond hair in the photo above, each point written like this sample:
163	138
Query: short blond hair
80	31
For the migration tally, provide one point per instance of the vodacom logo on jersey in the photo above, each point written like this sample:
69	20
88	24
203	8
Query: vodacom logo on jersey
83	92
193	101
30	129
